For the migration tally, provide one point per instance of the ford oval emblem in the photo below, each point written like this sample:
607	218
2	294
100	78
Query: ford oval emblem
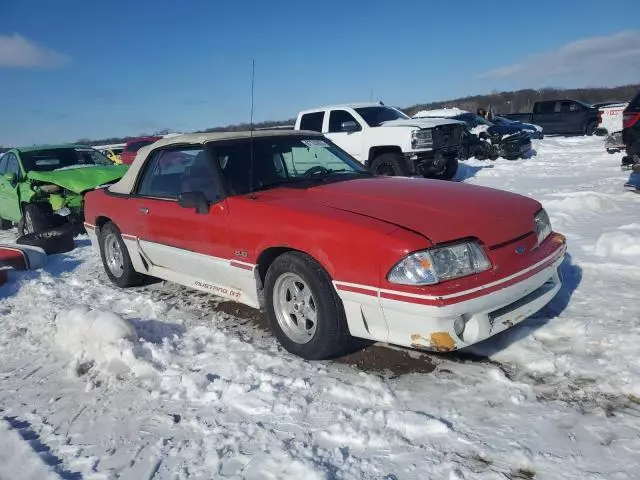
520	250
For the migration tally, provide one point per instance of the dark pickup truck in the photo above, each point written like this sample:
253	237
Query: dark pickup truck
561	117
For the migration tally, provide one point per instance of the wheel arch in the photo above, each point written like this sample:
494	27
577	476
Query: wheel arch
268	255
380	149
101	221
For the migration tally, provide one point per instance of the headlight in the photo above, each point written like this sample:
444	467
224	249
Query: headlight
440	263
421	139
49	188
543	226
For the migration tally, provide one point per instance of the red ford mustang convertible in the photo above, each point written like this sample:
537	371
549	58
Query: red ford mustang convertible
288	222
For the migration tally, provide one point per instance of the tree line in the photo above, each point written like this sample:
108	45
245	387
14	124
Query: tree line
517	101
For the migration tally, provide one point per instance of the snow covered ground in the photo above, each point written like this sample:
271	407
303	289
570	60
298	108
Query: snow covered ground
156	382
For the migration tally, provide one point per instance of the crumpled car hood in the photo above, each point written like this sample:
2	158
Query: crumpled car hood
421	122
81	179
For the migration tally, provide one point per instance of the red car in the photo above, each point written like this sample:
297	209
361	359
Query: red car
133	145
288	222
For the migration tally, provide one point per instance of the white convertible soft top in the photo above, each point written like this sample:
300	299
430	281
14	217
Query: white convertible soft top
126	183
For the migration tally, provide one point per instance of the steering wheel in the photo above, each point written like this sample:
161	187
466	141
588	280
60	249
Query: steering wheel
318	169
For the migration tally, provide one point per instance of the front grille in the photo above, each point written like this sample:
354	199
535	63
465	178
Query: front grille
447	135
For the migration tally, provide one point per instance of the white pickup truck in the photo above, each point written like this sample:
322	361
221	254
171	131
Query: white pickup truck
387	141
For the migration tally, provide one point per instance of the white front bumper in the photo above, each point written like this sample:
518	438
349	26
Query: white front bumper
430	327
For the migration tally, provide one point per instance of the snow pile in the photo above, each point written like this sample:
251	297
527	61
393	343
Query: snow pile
574	203
443	112
99	338
619	245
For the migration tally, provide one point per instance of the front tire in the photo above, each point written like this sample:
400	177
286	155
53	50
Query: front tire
115	258
304	312
390	164
590	128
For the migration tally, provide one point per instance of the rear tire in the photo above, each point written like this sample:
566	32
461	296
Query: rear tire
115	258
304	311
590	128
390	164
34	220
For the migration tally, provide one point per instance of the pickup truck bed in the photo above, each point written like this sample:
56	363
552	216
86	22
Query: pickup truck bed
561	117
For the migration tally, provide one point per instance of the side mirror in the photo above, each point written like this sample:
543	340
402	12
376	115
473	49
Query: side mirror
195	200
10	177
349	126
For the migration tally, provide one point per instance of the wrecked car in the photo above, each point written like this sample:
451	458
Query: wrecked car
483	139
289	222
42	187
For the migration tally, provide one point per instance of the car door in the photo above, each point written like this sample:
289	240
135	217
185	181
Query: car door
9	197
180	243
343	129
545	115
576	118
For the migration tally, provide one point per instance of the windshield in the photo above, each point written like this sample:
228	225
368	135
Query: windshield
499	119
283	161
473	120
57	158
376	116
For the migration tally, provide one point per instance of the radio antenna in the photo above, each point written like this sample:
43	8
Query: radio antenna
253	74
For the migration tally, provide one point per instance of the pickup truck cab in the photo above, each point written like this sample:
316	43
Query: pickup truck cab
387	141
561	117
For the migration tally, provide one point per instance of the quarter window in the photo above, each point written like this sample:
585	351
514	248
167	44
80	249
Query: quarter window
312	121
171	172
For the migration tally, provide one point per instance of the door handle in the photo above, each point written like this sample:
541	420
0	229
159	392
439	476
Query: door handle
144	210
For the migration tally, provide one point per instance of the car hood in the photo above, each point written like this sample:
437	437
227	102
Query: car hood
82	178
441	211
420	122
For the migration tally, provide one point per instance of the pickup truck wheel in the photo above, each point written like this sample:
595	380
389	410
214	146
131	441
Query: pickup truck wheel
591	128
33	220
448	172
304	311
390	164
115	258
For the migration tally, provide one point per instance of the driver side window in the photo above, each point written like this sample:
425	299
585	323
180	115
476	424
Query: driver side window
170	172
338	117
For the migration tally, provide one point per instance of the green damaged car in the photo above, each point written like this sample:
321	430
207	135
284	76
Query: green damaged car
43	187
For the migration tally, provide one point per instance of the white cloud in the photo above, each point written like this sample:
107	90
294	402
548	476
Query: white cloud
18	52
594	59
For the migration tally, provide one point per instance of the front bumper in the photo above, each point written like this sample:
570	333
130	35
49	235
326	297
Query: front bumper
408	321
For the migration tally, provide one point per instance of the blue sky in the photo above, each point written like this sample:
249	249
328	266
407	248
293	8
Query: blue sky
97	69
